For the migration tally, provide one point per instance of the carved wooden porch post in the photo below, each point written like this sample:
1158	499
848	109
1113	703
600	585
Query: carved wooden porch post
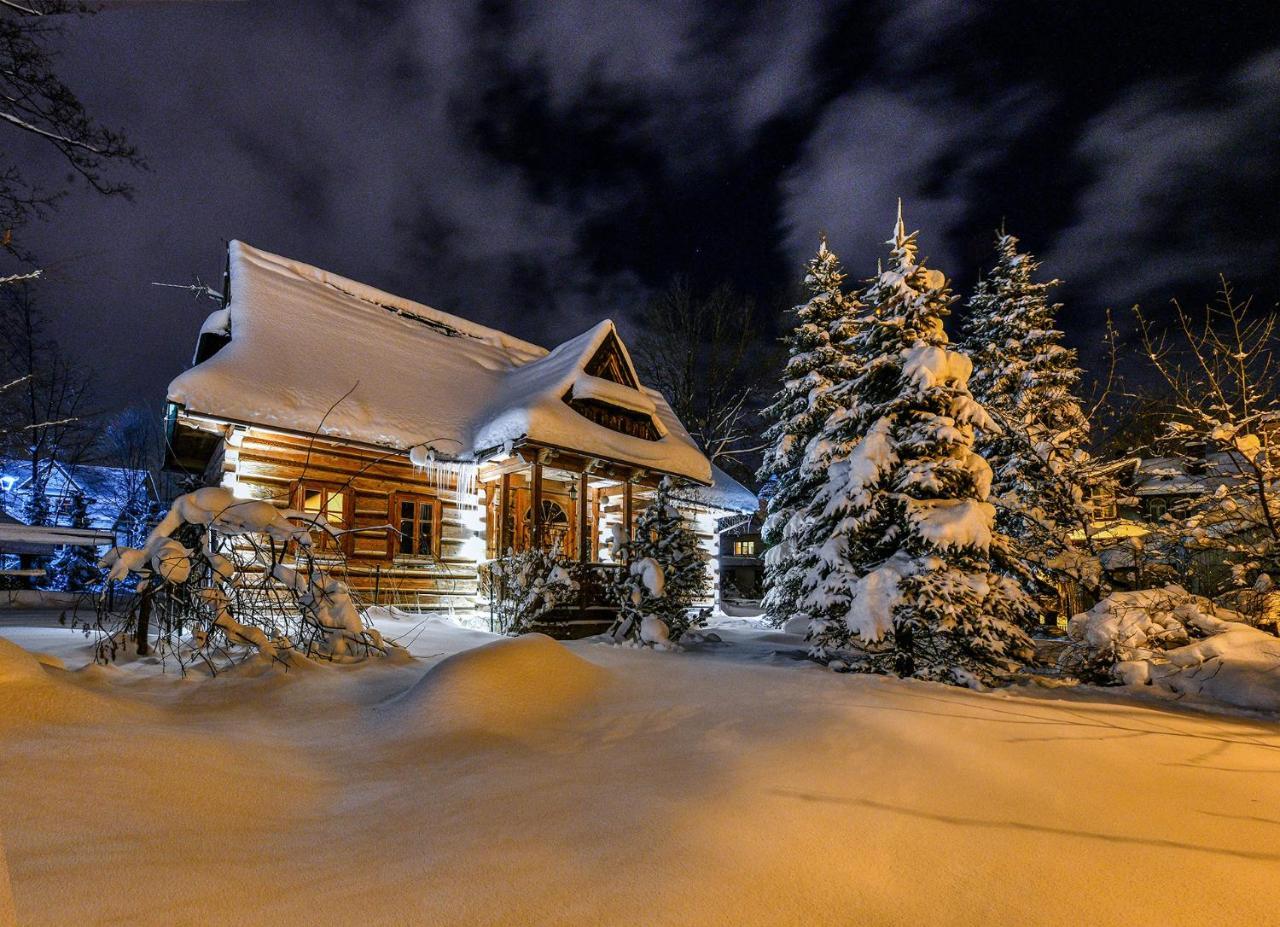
584	538
504	503
626	509
535	504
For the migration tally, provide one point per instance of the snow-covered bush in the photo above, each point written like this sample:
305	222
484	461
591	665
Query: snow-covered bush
1221	372
665	573
1178	643
524	586
218	574
1129	626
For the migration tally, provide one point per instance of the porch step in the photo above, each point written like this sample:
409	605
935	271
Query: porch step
569	624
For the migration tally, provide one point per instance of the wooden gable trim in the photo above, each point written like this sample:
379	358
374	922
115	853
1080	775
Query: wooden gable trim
610	362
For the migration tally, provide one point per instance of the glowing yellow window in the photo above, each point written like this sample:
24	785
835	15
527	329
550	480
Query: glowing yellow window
329	503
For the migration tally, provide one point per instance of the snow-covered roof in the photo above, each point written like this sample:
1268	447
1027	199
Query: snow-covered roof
530	402
15	533
314	352
724	493
107	489
1169	476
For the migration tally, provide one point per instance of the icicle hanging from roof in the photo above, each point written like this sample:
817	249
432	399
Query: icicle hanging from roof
447	477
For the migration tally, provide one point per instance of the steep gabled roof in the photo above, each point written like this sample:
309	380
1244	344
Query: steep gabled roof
531	402
313	352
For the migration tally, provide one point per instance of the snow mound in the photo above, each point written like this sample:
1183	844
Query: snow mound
19	666
507	689
796	625
1181	644
1237	665
34	688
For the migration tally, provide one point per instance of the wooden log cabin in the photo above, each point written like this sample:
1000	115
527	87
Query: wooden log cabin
428	441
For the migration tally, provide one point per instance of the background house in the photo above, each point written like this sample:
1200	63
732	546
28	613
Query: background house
120	501
38	514
741	560
1149	492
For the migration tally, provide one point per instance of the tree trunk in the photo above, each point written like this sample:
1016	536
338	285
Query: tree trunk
144	623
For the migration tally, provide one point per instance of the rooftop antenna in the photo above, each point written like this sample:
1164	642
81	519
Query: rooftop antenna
198	288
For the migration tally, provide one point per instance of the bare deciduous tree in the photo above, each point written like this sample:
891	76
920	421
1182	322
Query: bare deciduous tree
42	407
1221	371
700	352
132	441
35	102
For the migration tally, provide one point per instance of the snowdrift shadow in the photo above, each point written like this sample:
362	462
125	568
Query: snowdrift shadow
996	824
1078	718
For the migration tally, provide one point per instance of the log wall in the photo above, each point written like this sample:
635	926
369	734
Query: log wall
267	465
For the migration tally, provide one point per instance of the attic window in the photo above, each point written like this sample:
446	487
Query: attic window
215	334
209	344
606	392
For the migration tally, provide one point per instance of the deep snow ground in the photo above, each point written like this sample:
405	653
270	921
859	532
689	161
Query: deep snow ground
535	783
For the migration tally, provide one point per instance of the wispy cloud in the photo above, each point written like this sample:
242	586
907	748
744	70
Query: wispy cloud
873	146
1177	172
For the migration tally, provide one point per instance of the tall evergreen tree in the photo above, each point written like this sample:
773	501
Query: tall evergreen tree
36	509
1028	381
819	360
900	533
75	568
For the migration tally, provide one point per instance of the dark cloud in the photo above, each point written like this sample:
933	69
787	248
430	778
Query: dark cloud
537	166
1179	187
875	145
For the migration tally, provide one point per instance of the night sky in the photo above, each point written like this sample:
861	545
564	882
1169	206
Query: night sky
539	166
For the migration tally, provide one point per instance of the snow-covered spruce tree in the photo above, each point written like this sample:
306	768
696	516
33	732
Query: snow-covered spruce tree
900	533
1028	382
666	571
819	359
75	568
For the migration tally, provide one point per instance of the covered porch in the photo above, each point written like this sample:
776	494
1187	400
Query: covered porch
545	498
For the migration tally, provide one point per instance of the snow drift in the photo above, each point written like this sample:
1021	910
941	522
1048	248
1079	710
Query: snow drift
35	689
1181	644
742	788
506	689
18	666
